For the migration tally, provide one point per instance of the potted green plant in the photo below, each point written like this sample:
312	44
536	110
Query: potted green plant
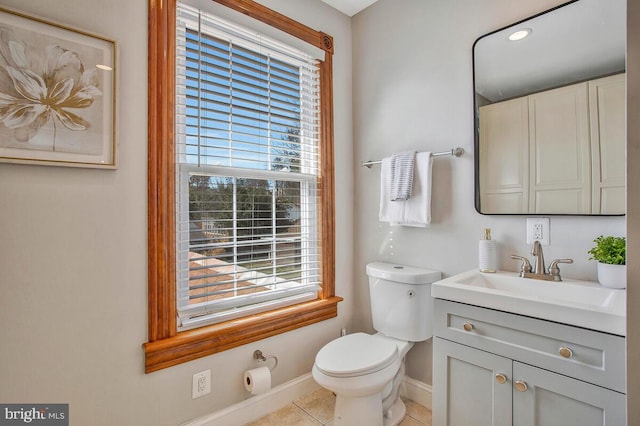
611	254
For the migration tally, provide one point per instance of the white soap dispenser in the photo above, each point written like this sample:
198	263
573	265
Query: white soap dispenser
487	253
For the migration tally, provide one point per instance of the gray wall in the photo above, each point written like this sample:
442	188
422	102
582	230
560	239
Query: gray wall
412	89
73	255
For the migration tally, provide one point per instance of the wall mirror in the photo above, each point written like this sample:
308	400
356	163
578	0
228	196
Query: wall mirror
550	112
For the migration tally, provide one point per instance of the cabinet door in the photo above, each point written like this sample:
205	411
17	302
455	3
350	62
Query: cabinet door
560	151
466	391
552	399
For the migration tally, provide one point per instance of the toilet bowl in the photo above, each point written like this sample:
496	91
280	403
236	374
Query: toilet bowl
365	370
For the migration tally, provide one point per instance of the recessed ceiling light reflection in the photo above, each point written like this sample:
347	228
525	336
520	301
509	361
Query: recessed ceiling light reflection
520	34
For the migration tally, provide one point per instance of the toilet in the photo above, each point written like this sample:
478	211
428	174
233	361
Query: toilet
365	370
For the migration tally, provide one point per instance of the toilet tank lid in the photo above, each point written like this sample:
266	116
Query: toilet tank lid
402	273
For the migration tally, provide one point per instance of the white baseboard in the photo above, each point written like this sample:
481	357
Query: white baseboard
416	391
260	405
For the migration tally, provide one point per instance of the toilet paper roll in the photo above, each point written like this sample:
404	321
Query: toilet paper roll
257	380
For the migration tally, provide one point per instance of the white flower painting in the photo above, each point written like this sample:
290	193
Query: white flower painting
56	94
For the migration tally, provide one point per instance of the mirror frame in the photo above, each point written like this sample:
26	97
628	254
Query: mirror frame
476	124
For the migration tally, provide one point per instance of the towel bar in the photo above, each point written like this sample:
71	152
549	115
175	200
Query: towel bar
456	152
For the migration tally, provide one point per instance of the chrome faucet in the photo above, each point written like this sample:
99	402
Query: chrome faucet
539	272
536	252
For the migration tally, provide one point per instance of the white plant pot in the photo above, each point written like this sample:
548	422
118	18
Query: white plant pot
612	276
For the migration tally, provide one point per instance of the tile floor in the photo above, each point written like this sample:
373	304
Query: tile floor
316	409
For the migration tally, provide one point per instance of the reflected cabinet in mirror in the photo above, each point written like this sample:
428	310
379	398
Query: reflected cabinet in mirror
550	113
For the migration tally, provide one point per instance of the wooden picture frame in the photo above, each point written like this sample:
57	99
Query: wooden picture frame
57	94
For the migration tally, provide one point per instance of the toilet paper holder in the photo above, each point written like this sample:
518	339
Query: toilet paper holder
261	358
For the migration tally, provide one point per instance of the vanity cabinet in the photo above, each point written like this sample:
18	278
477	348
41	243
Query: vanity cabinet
558	151
496	368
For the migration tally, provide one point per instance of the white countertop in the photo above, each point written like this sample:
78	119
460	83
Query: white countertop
581	303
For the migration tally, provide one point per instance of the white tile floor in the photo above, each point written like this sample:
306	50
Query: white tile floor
316	409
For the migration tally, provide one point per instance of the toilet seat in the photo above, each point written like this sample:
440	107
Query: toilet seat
355	355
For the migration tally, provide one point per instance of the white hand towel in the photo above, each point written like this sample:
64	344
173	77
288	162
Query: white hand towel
402	166
415	211
390	211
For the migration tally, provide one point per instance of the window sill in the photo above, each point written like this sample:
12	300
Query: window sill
193	344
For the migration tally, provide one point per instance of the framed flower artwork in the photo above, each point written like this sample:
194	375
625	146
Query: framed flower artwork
57	94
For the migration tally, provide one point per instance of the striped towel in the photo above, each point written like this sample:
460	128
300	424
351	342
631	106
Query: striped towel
402	165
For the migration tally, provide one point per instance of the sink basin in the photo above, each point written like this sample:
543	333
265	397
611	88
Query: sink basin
581	303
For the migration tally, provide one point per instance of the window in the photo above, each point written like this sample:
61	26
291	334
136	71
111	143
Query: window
240	183
247	158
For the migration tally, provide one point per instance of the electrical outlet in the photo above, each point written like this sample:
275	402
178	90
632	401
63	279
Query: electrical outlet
201	384
538	230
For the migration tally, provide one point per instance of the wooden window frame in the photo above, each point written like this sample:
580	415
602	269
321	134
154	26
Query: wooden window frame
166	346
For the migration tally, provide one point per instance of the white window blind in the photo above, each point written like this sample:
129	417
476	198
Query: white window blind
247	161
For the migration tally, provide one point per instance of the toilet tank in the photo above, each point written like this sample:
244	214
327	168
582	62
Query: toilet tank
401	302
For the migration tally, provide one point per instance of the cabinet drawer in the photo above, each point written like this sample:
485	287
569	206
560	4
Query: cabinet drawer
588	355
